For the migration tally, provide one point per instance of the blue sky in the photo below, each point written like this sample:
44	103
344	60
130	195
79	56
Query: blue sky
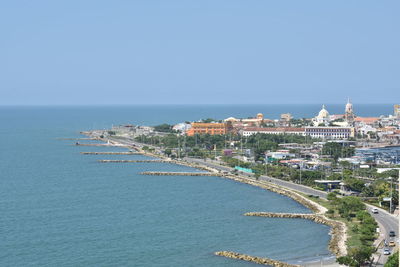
169	51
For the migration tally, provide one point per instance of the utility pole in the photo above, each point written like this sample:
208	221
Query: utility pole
241	144
184	145
300	173
179	148
225	141
391	194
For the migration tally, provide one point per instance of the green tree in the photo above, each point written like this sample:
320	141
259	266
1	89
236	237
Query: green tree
354	184
336	150
357	256
168	152
167	128
350	205
393	260
331	196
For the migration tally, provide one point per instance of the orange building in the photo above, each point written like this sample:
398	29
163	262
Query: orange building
207	128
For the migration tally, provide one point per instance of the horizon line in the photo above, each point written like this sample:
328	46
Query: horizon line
182	104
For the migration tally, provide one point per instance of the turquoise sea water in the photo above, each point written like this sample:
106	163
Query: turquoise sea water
61	208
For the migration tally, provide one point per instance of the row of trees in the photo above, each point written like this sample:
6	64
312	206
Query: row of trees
363	226
259	143
337	150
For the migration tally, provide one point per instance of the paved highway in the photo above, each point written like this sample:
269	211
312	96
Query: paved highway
297	187
387	222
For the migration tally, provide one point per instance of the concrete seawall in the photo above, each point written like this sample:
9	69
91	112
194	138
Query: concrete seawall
280	190
259	260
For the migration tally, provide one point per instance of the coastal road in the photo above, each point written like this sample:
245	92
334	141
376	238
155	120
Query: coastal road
387	222
300	188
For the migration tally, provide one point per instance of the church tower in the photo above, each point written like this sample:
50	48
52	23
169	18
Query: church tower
349	113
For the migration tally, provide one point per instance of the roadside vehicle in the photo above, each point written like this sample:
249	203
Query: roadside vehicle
375	210
386	251
392	244
392	233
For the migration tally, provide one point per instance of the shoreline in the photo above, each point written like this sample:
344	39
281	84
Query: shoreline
338	232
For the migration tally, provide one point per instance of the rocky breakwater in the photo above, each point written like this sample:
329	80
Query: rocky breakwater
195	165
178	173
338	229
259	260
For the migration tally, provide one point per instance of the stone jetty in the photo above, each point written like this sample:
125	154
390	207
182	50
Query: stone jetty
313	217
109	145
111	153
84	138
179	173
132	161
259	260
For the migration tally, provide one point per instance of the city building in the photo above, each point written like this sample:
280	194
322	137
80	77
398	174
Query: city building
278	155
231	119
284	120
257	121
272	130
366	129
330	132
181	127
372	121
212	128
286	117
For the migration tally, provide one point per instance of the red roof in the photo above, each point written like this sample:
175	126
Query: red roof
366	119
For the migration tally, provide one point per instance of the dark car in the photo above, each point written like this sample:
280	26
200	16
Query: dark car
392	233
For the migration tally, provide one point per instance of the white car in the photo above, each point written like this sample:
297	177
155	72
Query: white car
375	210
386	251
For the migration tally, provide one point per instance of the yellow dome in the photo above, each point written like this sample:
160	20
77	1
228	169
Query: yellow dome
323	113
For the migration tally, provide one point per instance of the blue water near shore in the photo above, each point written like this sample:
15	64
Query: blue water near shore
61	208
